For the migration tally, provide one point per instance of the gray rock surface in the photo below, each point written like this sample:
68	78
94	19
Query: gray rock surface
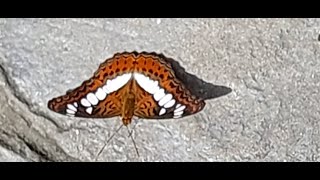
272	66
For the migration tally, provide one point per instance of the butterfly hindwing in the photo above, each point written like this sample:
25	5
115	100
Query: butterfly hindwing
147	108
109	107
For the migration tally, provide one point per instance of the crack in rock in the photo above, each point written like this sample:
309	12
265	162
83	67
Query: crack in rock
18	135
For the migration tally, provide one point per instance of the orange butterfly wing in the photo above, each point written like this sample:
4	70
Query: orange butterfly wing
110	107
158	69
151	65
145	106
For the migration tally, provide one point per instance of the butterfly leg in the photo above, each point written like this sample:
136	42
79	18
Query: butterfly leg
105	144
134	143
134	126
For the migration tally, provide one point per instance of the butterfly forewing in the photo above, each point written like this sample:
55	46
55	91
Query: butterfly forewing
100	96
166	96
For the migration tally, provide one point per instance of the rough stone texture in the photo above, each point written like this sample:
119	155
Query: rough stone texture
272	66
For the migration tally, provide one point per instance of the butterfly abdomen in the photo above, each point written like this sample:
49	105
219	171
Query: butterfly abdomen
128	107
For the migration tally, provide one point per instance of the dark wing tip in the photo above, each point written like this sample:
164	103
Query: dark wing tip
56	105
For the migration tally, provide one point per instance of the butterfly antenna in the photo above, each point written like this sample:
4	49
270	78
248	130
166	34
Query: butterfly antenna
134	126
134	143
105	144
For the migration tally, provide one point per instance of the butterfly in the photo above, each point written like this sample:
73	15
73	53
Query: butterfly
130	84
